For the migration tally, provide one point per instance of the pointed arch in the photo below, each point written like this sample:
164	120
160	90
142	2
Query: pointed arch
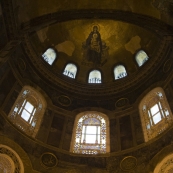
49	56
119	72
70	70
95	77
141	57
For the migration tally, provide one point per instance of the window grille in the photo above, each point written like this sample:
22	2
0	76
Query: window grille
119	72
94	77
49	56
70	70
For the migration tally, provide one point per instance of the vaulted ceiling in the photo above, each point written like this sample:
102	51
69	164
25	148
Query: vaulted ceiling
124	27
30	9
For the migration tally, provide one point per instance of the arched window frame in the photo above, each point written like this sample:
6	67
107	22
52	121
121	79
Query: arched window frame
119	75
29	122
70	71
143	61
150	124
96	78
49	59
76	143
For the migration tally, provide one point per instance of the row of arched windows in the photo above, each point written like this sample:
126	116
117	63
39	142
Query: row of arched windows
94	76
91	129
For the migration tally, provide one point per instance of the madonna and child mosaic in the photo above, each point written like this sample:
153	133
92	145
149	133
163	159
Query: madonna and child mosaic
95	50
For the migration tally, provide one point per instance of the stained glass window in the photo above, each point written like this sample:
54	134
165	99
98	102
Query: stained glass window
49	56
28	110
119	72
70	70
155	113
141	57
94	77
90	135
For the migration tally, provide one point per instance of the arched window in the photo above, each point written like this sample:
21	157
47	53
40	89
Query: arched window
90	134
94	77
49	56
141	57
155	113
119	72
70	70
28	111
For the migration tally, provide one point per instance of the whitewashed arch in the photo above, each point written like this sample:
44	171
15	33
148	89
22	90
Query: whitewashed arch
24	120
76	143
70	70
49	56
141	58
95	77
119	72
155	104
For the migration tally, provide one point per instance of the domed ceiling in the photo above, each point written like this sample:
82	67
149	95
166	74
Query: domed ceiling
120	43
124	29
29	9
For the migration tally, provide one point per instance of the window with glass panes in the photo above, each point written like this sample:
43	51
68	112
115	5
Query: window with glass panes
155	113
28	110
91	132
141	58
70	70
90	135
95	77
119	72
49	56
